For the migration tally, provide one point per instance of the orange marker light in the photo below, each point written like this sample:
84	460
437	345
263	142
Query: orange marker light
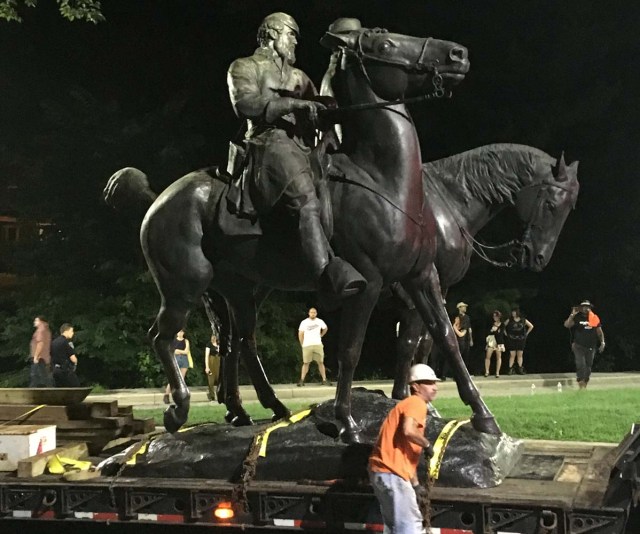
224	510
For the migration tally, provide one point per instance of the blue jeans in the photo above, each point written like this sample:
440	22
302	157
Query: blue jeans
398	504
40	375
584	360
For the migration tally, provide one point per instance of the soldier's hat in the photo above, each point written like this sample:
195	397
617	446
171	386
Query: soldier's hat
277	19
344	25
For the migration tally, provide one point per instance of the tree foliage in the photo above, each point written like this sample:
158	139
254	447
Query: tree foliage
85	10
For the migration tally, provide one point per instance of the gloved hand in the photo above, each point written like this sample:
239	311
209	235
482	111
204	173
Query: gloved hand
428	452
283	106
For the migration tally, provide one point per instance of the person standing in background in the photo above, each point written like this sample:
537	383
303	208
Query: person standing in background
64	359
464	333
40	375
182	353
517	330
310	333
212	366
587	334
495	343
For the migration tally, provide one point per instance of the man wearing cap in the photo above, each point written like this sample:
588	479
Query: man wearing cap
587	335
395	457
276	99
464	333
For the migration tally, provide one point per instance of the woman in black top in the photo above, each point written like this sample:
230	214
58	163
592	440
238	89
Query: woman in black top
517	329
495	343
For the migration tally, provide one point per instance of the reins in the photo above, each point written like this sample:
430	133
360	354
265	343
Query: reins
419	64
477	246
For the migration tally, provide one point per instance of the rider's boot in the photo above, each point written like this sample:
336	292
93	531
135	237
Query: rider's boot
337	277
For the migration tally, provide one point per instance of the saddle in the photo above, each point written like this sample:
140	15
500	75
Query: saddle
237	214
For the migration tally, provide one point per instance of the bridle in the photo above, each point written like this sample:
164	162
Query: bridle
419	65
518	246
532	217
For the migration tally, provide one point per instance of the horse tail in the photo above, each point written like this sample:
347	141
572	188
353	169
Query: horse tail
128	189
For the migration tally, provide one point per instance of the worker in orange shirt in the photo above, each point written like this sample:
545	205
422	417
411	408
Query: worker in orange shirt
395	457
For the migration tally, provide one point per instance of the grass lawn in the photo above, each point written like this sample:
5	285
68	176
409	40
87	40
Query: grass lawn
592	415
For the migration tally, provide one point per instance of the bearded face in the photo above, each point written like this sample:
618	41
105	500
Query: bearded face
285	45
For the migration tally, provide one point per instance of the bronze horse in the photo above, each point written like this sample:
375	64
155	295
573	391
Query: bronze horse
382	226
465	192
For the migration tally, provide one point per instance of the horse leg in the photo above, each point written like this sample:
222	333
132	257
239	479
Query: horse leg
353	326
427	297
172	317
182	280
411	328
242	305
228	392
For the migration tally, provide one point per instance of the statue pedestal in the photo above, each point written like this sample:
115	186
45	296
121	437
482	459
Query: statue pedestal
308	450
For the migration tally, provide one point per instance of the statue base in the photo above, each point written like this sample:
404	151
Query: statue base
309	451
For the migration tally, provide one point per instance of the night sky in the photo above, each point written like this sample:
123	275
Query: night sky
560	76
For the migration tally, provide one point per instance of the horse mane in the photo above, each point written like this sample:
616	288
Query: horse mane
491	173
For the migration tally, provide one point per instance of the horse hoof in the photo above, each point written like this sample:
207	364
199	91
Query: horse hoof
173	420
279	416
280	411
486	425
242	420
350	436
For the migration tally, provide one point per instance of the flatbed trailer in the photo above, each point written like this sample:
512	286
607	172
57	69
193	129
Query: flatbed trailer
556	488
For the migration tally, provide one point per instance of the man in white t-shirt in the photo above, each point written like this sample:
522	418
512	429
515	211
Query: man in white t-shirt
310	334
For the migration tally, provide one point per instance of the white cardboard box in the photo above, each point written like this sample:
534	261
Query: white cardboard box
18	442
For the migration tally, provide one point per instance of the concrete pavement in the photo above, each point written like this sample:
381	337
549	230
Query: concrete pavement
489	386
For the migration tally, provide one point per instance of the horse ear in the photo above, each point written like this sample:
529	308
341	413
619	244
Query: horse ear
561	169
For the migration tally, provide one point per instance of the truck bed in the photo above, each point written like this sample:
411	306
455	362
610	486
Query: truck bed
561	487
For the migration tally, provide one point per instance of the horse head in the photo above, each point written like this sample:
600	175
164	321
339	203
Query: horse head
397	65
543	207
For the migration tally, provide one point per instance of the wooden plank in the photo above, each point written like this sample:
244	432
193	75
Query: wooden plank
89	409
96	423
90	434
53	396
35	465
596	478
104	408
46	414
144	426
125	410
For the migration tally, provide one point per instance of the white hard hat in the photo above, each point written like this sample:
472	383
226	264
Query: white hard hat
420	371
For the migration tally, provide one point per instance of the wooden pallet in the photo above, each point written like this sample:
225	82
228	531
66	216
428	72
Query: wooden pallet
93	423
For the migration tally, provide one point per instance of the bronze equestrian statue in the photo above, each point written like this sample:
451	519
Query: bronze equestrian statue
381	226
465	192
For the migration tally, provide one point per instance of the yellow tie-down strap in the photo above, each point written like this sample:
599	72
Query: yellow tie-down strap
25	414
142	448
441	445
58	465
261	439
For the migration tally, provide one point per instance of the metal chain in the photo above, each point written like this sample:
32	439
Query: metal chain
424	499
249	466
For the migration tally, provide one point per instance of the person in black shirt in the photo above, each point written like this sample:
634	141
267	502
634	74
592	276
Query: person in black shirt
517	329
64	359
587	335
